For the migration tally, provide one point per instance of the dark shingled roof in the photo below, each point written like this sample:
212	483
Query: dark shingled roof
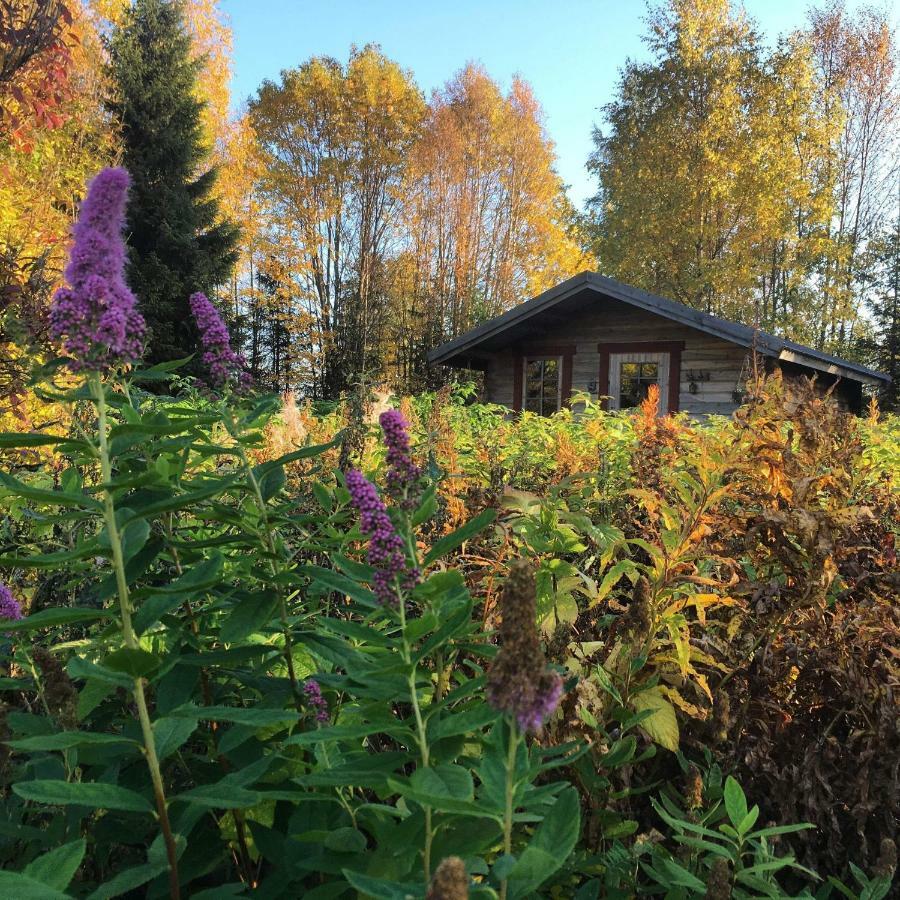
461	349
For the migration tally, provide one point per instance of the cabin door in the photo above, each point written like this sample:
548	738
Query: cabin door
632	374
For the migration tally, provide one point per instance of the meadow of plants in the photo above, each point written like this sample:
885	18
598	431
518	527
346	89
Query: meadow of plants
415	647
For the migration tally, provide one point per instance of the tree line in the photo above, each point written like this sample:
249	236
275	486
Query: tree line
346	223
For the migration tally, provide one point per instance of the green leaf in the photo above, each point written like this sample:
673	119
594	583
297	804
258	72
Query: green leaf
153	608
381	889
450	781
223	795
272	482
611	579
345	840
132	661
160	371
254	716
735	801
165	598
549	848
51	560
134	536
182	501
349	732
470	720
334	581
622	829
170	733
661	724
324	497
57	498
247	617
427	508
78	667
620	753
453	540
782	829
94	692
65	740
680	876
80	793
58	867
128	880
303	453
748	821
196	577
11	440
48	618
21	887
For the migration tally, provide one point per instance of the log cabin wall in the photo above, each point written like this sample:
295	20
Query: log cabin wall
614	323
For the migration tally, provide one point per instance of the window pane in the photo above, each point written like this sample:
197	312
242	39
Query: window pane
634	382
542	385
630	395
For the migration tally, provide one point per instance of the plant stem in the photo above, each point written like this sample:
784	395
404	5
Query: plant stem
420	731
268	541
510	790
130	638
245	861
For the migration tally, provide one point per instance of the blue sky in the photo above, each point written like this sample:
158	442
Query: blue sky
570	51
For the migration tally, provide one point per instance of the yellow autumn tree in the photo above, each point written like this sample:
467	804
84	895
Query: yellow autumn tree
710	187
487	220
857	67
333	144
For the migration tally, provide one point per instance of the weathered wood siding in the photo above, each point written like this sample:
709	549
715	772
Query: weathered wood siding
613	322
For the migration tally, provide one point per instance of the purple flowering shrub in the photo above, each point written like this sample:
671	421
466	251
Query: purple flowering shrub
235	657
393	574
95	315
224	365
10	610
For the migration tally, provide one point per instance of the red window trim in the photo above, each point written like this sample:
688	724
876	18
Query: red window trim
525	351
673	348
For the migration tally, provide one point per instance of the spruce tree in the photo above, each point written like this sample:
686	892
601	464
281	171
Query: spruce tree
884	302
178	244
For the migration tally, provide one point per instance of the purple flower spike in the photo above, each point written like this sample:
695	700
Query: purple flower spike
9	606
315	699
385	545
223	363
96	316
403	475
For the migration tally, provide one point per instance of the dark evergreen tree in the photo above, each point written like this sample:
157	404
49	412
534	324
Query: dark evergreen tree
884	301
177	243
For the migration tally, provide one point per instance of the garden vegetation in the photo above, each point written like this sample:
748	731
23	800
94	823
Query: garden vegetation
415	647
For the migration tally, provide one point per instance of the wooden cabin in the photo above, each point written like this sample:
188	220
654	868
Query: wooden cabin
612	341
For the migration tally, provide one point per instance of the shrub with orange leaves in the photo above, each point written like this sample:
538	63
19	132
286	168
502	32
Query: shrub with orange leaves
810	708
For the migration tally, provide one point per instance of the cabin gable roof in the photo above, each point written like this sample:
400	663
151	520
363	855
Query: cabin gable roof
492	335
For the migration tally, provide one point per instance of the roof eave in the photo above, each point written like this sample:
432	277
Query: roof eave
866	376
440	355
